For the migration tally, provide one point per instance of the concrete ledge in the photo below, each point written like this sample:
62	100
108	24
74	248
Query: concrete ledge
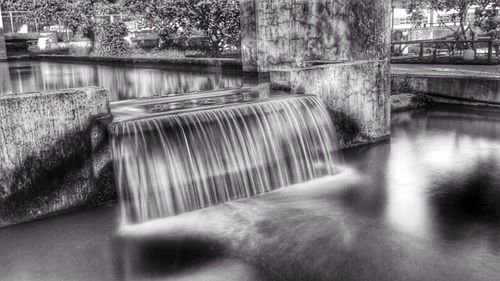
224	62
483	106
478	89
54	153
402	102
356	94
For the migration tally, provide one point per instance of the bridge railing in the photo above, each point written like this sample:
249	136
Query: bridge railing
15	21
486	51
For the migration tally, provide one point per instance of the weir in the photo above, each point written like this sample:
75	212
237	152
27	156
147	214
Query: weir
193	157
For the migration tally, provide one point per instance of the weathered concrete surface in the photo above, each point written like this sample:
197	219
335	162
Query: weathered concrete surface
477	89
356	94
54	153
287	32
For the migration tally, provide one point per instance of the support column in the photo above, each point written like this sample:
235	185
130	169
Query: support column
337	50
277	33
3	50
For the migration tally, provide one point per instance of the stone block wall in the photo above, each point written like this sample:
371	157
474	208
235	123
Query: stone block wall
288	32
356	93
54	153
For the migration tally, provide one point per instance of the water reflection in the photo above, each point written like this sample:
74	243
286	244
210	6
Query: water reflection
424	206
123	81
445	175
429	199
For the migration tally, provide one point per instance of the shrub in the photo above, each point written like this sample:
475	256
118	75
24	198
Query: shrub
80	50
110	39
177	20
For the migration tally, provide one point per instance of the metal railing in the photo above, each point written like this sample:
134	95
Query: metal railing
15	22
444	50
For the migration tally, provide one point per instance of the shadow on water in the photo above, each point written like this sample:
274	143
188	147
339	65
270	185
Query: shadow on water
163	256
469	204
369	198
452	156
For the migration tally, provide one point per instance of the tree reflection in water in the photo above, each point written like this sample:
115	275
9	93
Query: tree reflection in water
123	81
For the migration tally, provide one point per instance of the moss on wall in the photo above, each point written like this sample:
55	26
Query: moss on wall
54	153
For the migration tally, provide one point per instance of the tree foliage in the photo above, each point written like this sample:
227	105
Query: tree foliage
77	15
219	20
485	16
110	38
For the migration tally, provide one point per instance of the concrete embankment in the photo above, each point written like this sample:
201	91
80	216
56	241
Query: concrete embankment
224	62
54	152
448	85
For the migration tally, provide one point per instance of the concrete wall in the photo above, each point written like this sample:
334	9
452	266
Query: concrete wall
459	87
54	153
356	93
277	32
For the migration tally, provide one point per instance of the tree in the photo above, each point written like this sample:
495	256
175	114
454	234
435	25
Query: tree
485	17
219	20
110	39
77	15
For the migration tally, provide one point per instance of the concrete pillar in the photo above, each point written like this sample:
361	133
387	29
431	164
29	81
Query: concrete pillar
3	50
337	50
278	33
54	153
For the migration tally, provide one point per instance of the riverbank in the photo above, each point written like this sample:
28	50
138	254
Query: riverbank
477	86
223	62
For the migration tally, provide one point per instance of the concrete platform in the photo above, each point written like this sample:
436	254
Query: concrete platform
449	84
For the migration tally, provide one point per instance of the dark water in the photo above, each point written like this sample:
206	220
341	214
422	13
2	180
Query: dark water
122	81
424	206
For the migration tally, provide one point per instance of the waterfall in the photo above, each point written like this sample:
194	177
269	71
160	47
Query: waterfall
181	160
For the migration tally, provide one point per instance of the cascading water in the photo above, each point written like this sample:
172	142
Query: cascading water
184	159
